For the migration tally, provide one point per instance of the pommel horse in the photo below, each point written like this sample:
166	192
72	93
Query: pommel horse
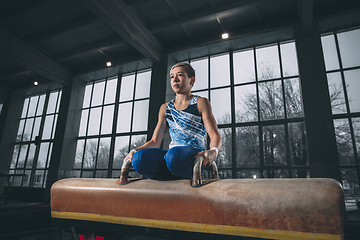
311	208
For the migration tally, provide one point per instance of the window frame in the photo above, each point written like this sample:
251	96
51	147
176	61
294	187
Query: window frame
234	170
37	142
112	171
348	115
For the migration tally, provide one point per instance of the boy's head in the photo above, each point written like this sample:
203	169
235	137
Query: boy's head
187	67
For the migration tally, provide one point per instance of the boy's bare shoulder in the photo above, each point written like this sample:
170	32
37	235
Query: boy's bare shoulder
203	105
163	107
203	100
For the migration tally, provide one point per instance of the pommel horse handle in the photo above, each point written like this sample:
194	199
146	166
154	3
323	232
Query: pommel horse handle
197	180
124	176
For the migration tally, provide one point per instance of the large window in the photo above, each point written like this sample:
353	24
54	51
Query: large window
114	120
256	101
32	150
342	61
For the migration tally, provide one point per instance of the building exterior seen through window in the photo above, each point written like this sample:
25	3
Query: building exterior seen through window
256	100
34	141
342	62
114	120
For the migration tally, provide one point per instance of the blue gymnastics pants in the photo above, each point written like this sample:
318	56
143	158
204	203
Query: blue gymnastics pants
156	163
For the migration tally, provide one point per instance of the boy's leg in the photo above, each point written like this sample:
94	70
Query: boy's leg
180	161
150	163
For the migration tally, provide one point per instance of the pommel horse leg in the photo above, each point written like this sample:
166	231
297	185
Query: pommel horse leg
197	180
124	176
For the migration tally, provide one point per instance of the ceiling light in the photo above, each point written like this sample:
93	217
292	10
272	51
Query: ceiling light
36	83
225	36
108	64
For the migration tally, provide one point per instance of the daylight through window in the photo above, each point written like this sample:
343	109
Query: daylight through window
114	120
342	62
256	100
34	141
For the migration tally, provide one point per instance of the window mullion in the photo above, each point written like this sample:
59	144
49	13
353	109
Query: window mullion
261	153
39	140
100	128
113	132
282	81
342	73
132	111
287	147
232	100
209	78
87	128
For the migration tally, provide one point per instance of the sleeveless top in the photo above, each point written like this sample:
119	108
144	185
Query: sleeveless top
186	126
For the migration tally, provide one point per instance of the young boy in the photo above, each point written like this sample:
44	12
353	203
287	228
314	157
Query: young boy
189	117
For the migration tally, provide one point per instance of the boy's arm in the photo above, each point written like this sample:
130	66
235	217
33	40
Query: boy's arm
157	136
159	131
212	129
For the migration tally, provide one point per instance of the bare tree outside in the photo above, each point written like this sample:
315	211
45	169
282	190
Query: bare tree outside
98	153
267	104
92	153
343	126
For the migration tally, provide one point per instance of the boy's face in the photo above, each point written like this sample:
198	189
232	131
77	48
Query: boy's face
180	82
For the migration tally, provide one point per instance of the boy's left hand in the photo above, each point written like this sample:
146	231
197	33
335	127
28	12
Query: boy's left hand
209	157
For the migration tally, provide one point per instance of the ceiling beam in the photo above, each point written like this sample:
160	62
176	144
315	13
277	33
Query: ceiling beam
76	24
27	57
173	8
204	14
9	75
133	3
22	9
5	92
306	15
242	33
85	50
115	64
120	18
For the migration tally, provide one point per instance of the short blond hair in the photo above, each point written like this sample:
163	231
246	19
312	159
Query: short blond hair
188	68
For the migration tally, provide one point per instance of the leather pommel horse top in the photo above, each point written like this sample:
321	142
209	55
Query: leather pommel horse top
263	208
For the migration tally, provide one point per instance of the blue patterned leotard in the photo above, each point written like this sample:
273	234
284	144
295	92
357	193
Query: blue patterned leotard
186	126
